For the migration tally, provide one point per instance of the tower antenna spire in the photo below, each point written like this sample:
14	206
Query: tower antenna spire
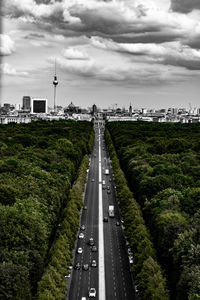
55	83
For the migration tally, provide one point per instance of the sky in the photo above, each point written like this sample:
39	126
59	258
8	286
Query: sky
109	53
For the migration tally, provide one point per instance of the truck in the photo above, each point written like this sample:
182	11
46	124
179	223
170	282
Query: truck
106	171
111	211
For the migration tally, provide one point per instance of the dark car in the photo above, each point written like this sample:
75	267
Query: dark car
105	219
91	242
94	249
82	227
85	207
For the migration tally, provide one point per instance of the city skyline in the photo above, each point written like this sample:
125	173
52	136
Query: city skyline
107	52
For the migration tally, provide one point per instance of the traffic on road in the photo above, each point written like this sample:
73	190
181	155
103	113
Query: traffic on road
101	264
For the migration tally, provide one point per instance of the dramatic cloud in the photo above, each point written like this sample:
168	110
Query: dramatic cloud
120	42
185	6
7	69
127	73
127	21
73	53
7	45
34	35
173	53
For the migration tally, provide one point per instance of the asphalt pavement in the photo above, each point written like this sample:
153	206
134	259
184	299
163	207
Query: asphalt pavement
117	280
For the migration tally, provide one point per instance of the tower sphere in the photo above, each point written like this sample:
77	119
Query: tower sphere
55	82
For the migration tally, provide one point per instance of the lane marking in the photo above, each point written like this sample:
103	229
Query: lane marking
101	235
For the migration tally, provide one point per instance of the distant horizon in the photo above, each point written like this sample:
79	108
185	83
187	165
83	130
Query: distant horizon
146	52
109	107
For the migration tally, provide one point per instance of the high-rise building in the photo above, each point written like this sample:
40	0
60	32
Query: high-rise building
55	83
130	110
39	106
26	103
94	109
6	106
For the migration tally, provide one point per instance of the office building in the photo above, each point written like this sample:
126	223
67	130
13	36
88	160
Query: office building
26	103
39	106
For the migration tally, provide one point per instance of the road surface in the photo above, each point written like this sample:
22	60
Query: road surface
112	277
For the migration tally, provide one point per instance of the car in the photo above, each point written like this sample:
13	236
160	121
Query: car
77	266
81	235
127	243
136	289
91	242
92	293
84	207
93	263
83	298
130	251
108	191
85	267
117	223
94	248
82	227
92	179
79	250
108	188
105	219
110	179
130	260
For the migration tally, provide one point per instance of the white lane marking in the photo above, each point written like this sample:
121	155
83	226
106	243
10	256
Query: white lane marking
102	295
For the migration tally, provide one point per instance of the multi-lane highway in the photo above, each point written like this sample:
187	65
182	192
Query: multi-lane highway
111	278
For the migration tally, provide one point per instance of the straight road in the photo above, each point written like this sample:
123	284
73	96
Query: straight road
115	276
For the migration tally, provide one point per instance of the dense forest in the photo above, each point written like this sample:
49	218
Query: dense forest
147	273
162	167
38	165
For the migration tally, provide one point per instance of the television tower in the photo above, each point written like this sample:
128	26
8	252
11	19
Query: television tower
55	83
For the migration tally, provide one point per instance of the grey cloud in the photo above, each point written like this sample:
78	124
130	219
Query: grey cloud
45	1
34	35
94	21
193	41
146	37
185	6
188	64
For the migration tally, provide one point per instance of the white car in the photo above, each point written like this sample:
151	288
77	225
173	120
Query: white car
92	293
81	235
94	263
130	259
80	250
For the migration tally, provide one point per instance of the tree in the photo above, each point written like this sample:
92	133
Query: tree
14	282
191	200
8	194
151	284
